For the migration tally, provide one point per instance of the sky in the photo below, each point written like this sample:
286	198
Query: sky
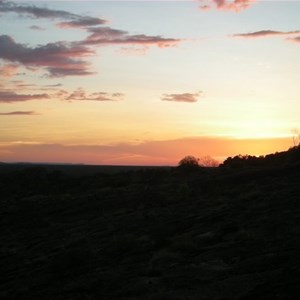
147	82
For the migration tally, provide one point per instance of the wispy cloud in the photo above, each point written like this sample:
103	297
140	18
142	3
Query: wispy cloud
23	85
19	113
81	95
109	36
51	92
8	70
10	96
229	5
53	85
58	59
82	22
294	39
35	27
265	33
185	97
46	13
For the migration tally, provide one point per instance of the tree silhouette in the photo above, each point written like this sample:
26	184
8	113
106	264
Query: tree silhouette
188	162
207	161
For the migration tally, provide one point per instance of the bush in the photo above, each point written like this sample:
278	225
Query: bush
188	162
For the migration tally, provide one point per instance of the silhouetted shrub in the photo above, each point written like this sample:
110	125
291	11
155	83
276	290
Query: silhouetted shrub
188	162
208	161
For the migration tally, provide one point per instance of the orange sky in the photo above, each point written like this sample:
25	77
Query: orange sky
147	82
167	152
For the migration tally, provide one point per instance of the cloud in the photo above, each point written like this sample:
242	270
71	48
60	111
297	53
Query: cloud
8	70
82	22
294	39
265	33
9	97
58	59
233	5
35	27
53	85
133	50
108	36
34	11
51	91
185	97
19	113
24	86
62	58
46	13
82	95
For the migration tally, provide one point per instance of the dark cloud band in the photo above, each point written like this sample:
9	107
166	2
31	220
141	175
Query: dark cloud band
19	113
9	97
58	59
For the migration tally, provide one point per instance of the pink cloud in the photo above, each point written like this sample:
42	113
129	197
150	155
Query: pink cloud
233	5
185	97
294	39
82	22
8	70
110	36
134	50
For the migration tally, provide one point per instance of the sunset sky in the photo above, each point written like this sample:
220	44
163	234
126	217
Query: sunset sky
147	82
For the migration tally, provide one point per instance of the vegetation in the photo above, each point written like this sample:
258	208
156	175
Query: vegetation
230	232
188	162
191	162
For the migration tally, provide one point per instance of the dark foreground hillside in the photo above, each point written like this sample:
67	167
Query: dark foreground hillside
226	233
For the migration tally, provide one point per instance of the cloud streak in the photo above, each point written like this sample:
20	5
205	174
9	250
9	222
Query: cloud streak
265	33
19	113
110	36
9	97
58	59
35	27
228	5
83	22
185	97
